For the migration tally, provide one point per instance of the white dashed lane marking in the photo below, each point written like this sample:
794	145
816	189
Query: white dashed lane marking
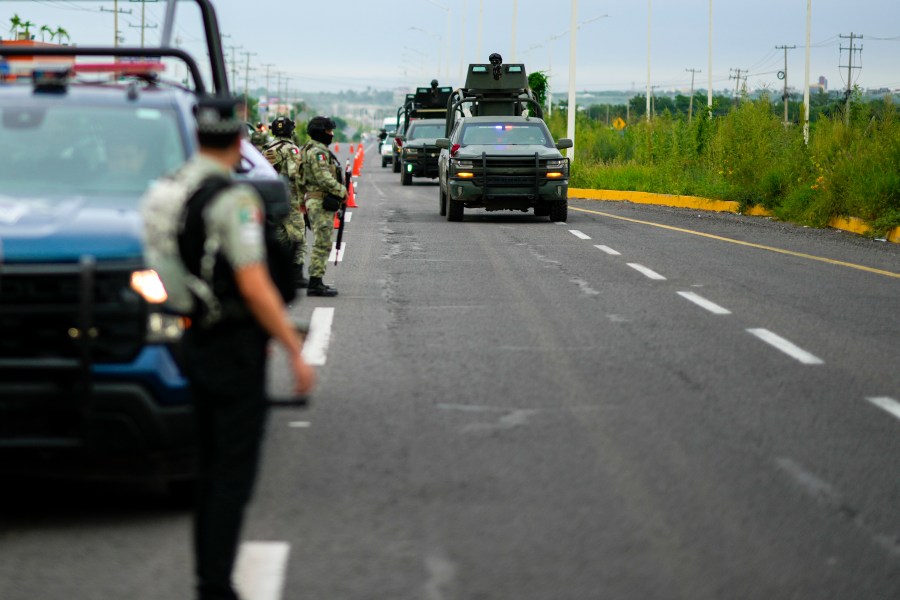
704	303
608	250
646	272
579	234
337	254
315	348
260	569
888	404
786	346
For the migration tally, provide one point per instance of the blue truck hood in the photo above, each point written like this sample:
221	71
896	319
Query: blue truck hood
63	229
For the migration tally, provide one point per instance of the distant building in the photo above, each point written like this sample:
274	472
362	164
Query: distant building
823	83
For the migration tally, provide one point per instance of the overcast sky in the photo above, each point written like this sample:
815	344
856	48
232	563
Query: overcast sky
354	44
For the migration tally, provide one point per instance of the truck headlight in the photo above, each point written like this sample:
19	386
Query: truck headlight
555	164
150	287
462	164
163	328
410	151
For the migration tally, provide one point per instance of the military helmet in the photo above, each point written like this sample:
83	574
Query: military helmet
320	123
282	126
434	83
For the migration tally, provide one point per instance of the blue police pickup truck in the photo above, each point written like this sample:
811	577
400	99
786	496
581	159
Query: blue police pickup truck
90	379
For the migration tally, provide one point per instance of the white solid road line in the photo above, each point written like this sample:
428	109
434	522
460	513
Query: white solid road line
645	271
315	348
608	250
787	347
260	569
579	235
340	255
704	303
888	404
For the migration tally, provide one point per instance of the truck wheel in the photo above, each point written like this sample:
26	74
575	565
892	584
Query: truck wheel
559	211
541	209
443	204
383	162
405	176
454	210
396	164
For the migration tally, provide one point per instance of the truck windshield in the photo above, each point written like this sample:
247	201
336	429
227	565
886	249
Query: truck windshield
498	134
420	131
79	151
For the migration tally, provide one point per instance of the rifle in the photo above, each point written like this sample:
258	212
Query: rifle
348	178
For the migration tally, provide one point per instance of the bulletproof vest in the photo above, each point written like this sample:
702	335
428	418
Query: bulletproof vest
191	246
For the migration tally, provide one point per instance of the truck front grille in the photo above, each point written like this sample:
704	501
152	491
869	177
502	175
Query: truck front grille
43	313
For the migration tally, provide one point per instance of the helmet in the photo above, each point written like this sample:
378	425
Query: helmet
282	127
434	83
320	124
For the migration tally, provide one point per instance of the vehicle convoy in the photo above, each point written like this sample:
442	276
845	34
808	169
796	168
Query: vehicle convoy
421	120
498	153
90	373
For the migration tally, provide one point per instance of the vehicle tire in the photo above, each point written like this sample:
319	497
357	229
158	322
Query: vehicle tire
559	211
405	176
454	210
383	162
443	204
542	209
396	164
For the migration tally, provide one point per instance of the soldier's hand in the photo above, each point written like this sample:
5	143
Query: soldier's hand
304	376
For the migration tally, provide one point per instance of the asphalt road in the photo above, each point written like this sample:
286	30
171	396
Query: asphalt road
641	403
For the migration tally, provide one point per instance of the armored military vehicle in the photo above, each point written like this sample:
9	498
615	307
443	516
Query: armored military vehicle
417	156
498	153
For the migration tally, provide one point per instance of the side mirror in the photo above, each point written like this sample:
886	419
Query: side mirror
443	143
564	143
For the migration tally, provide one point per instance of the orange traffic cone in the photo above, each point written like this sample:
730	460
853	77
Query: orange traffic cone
337	147
351	195
337	221
356	165
351	148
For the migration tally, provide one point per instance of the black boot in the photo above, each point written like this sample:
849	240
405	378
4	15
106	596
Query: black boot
299	279
317	288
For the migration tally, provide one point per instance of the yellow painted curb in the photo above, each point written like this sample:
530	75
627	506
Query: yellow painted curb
851	224
894	235
694	202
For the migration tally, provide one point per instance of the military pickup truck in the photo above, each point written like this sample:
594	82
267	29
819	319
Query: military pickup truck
498	153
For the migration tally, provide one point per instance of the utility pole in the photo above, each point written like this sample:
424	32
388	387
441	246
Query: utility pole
649	11
653	100
737	86
278	90
143	24
233	49
116	12
268	95
850	68
784	75
247	56
806	74
693	72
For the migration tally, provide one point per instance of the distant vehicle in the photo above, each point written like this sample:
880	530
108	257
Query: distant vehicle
499	154
419	154
386	150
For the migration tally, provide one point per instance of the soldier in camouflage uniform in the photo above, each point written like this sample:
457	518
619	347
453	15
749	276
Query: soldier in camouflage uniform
285	157
259	137
320	179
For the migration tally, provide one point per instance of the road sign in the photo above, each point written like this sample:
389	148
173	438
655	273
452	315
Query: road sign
619	123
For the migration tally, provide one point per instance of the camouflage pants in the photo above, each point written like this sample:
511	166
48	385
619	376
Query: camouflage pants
322	223
293	232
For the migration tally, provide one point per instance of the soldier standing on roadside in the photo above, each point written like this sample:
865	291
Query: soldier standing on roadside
324	196
285	157
259	137
225	361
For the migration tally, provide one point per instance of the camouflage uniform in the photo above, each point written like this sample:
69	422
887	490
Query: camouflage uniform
285	157
320	177
259	138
